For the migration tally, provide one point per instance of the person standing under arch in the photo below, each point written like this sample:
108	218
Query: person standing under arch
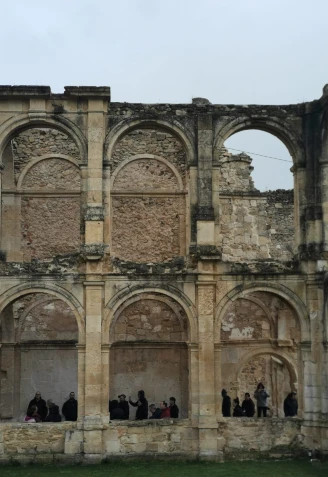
261	397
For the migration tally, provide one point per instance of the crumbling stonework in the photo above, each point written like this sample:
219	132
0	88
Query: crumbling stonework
136	253
151	141
151	320
35	143
50	226
144	175
146	229
53	174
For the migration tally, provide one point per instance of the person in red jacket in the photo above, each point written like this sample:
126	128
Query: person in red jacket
165	411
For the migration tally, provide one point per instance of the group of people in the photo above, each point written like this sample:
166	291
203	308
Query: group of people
247	408
41	411
120	410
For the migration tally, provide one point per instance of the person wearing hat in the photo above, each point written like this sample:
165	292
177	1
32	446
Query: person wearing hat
291	405
124	405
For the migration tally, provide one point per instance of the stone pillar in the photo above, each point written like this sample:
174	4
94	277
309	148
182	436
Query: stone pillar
205	215
105	353
93	368
193	384
324	198
7	381
94	286
207	418
81	379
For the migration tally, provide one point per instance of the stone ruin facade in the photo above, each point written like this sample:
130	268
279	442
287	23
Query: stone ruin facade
136	253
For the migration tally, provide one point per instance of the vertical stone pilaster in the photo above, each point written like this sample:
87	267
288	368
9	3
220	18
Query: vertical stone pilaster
81	379
193	383
207	417
93	368
7	380
105	353
324	198
299	173
93	358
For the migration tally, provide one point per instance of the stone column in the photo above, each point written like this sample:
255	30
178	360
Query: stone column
94	286
207	418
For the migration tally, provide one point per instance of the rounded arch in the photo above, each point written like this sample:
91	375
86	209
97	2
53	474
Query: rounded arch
124	127
150	296
15	125
128	293
38	303
265	310
35	160
266	350
51	289
242	291
147	156
278	128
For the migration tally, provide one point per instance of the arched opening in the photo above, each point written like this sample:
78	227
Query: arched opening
274	374
149	335
41	192
260	334
270	159
38	333
148	195
257	211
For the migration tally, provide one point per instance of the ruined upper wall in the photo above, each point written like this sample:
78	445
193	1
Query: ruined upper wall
155	154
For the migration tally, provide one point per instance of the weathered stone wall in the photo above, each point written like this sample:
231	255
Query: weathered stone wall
245	319
151	141
258	227
33	442
161	371
240	438
235	172
52	174
149	319
49	226
144	175
36	142
146	229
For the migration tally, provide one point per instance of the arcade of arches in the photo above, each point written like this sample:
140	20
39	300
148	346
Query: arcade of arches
136	253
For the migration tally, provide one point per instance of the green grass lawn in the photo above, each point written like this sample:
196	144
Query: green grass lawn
297	468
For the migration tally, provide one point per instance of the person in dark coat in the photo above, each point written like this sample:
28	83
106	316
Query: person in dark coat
174	410
70	408
53	415
123	404
290	405
116	413
248	406
40	404
237	410
155	412
142	405
226	404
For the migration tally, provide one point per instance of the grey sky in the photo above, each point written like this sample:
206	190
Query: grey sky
229	51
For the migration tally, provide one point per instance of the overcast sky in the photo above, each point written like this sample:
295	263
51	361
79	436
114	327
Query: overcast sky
229	51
